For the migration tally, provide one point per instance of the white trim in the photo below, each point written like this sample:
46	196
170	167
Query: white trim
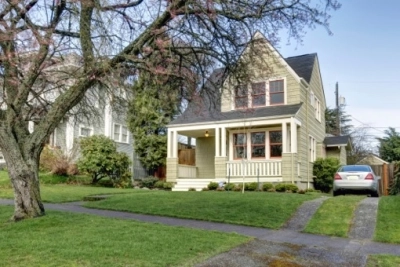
217	142
169	143
293	135
69	136
223	142
312	148
107	119
119	140
31	126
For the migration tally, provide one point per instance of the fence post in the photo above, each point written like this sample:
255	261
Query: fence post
385	179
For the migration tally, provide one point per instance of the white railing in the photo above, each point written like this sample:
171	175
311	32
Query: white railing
187	171
254	168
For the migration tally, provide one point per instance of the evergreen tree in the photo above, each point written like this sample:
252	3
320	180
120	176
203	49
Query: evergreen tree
331	123
389	146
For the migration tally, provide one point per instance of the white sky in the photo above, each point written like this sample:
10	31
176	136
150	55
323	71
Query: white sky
363	55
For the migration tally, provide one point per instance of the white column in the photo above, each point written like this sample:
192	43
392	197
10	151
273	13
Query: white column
217	146
175	144
31	126
284	137
223	142
293	135
169	143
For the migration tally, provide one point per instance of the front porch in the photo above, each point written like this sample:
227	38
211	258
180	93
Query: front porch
264	151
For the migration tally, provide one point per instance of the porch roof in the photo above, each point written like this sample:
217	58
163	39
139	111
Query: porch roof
332	141
211	113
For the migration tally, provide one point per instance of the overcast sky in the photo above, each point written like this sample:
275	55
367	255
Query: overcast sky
363	56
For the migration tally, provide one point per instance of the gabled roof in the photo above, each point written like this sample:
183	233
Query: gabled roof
372	158
302	65
332	141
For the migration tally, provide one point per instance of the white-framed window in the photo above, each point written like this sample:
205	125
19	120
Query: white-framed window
312	99
85	131
317	109
312	147
257	144
120	133
260	94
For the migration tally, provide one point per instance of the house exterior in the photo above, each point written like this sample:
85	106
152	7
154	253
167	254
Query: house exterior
270	129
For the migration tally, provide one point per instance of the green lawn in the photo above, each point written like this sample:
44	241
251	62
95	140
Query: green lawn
260	209
388	221
383	261
68	239
334	216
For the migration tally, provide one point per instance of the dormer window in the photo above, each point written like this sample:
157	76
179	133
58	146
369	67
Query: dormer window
276	92
260	94
241	96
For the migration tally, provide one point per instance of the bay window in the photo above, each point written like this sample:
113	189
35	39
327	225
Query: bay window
261	144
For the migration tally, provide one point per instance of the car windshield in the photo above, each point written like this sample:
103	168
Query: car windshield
355	168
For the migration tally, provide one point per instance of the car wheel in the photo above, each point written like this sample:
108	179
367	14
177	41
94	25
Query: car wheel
374	194
336	193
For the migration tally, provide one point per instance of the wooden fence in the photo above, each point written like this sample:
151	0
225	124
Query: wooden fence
187	157
386	172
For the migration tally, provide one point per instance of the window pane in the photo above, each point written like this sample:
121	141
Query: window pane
276	98
258	100
241	102
258	152
276	86
239	139
241	90
275	137
85	131
116	131
257	138
258	88
240	152
276	150
124	134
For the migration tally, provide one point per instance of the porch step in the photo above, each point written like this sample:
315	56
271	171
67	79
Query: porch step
185	184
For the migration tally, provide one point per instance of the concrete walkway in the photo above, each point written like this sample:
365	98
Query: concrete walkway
312	247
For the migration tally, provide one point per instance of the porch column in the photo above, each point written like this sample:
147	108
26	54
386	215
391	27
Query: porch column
293	136
217	146
223	142
175	144
284	137
169	143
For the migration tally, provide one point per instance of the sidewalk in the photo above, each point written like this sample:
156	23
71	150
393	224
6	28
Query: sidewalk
351	246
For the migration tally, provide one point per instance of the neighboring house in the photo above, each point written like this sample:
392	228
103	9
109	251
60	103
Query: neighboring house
337	147
101	113
372	159
269	130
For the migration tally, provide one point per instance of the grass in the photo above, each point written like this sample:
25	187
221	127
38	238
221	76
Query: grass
388	226
383	261
270	210
68	239
334	216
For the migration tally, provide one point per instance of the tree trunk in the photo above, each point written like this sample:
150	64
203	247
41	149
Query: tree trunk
25	181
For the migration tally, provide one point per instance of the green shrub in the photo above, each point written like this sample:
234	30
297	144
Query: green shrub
149	182
301	191
394	188
251	186
230	187
159	184
55	161
280	188
238	187
291	187
212	185
220	189
192	189
205	189
168	185
324	170
100	159
267	186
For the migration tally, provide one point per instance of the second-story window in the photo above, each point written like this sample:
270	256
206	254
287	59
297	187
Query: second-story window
276	92
120	133
241	96
258	94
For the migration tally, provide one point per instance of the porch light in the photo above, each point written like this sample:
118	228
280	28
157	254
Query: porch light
206	134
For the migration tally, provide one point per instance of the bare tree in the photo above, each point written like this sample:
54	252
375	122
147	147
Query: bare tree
110	38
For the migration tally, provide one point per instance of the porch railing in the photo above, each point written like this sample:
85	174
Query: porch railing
186	171
254	168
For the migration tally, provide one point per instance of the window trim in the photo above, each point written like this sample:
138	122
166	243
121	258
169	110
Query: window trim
85	127
120	133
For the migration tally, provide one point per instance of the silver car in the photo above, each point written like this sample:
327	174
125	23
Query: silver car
352	178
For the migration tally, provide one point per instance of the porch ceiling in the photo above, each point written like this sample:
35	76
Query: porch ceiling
198	133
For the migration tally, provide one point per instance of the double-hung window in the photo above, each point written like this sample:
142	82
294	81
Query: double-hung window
258	94
276	92
258	145
275	144
312	144
241	96
240	146
120	133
